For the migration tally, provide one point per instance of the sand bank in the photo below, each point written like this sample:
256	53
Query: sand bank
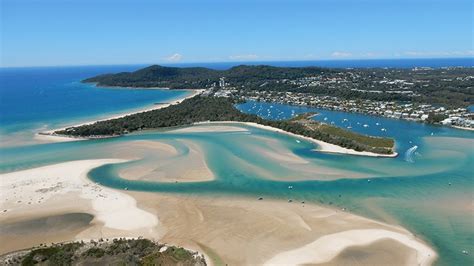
162	162
326	248
233	230
243	231
322	146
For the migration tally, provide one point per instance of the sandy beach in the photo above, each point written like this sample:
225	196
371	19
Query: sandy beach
49	136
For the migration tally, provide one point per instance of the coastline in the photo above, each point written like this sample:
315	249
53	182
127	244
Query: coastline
323	146
49	135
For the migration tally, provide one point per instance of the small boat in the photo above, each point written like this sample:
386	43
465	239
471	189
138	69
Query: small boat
349	127
365	125
378	124
260	198
325	119
290	187
297	141
383	129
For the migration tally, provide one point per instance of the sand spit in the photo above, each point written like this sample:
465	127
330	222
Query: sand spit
50	136
322	146
326	248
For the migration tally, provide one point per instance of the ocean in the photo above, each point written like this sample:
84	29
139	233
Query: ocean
346	63
38	99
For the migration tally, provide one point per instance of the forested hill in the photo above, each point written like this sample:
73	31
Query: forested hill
448	86
198	77
199	109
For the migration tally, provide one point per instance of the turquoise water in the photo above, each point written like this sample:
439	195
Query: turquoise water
34	99
428	190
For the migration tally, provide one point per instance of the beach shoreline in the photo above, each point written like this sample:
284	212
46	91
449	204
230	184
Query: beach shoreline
322	146
50	135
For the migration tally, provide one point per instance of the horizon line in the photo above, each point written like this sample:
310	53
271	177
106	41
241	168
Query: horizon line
242	62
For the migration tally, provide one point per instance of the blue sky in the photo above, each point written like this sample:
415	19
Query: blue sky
82	32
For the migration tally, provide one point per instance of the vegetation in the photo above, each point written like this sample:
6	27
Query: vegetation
435	118
449	87
199	108
115	252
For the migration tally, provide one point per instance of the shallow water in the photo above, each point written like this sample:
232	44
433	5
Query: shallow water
430	192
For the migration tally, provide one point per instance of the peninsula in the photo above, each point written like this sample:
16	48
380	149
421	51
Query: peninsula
207	108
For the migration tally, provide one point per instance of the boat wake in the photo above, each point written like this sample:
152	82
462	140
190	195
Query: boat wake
409	154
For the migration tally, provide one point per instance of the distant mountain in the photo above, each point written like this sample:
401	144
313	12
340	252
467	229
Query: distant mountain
198	77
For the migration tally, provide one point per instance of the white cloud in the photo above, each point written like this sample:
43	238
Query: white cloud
369	54
244	57
174	58
341	54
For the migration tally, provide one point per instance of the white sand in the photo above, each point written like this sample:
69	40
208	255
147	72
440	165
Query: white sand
322	146
327	247
207	128
31	189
